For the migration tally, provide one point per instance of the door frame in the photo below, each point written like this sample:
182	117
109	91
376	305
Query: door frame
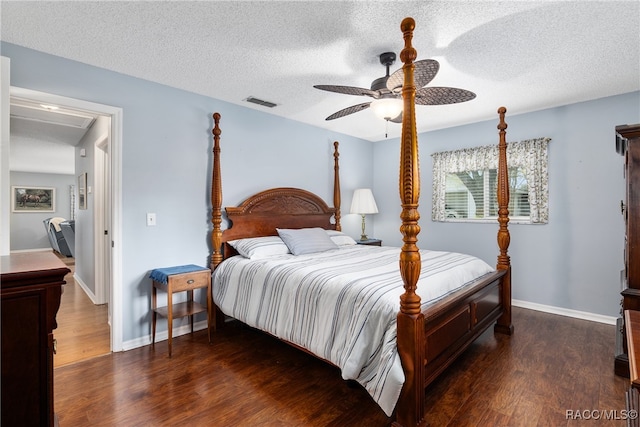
5	187
102	224
115	154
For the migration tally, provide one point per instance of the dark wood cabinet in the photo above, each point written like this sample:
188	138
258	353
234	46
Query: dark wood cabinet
628	145
30	288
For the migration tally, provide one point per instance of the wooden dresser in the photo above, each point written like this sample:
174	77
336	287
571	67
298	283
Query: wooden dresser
628	145
30	288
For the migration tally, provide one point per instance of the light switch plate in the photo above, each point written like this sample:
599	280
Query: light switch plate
151	219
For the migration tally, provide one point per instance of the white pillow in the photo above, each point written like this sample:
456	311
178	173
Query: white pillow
260	247
341	239
306	240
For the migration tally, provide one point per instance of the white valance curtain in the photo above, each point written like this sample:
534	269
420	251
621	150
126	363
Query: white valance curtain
529	155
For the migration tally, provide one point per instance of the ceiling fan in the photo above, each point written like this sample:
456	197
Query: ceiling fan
387	91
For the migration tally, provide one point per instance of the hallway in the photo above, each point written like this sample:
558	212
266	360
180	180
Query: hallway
83	331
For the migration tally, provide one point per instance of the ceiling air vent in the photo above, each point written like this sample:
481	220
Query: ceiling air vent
260	102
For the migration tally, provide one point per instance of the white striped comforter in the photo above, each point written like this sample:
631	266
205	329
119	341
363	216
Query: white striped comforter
341	304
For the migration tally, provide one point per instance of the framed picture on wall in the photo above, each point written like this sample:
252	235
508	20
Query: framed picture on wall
33	199
82	191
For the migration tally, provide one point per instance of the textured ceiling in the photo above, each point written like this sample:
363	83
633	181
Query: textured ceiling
526	56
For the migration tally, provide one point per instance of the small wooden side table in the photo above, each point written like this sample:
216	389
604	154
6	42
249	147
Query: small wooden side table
179	279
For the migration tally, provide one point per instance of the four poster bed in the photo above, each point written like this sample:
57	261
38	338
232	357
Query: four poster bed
275	269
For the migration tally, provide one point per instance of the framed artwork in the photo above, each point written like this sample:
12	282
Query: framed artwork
82	191
33	199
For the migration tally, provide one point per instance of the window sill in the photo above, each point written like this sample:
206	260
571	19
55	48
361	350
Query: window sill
525	221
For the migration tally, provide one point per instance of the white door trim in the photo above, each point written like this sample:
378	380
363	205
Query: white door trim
102	204
5	198
115	300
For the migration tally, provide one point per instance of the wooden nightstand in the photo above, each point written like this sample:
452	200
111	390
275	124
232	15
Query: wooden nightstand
370	242
180	279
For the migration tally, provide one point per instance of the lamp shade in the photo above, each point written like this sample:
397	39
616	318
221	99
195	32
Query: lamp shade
363	202
387	108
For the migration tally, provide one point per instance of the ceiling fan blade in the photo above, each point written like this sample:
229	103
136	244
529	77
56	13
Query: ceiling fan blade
349	90
349	110
425	70
442	95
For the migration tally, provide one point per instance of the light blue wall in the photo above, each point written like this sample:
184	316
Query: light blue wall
166	164
572	262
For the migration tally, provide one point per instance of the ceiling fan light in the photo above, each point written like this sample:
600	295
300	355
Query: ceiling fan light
387	108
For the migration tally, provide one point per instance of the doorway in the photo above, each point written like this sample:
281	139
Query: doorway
107	188
83	330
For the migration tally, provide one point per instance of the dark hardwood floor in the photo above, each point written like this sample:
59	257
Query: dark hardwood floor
551	365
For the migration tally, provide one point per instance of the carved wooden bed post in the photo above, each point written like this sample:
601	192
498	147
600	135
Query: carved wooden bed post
410	408
504	324
216	196
336	185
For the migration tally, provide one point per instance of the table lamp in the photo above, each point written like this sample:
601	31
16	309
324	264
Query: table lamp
363	203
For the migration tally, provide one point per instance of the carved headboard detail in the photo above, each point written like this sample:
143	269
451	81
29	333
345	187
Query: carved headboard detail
277	201
283	207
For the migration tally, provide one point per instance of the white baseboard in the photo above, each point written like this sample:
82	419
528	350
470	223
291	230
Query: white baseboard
565	312
164	335
86	289
32	250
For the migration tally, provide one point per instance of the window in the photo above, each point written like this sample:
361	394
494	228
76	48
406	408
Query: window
465	183
473	194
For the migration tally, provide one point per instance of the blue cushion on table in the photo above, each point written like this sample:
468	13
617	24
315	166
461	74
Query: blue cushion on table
161	275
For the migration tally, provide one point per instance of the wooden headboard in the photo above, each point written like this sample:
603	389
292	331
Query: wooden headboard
284	207
262	213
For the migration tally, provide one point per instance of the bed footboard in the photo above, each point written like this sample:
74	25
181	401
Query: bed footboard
451	326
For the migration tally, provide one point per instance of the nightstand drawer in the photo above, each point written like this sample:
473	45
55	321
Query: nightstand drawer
188	281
